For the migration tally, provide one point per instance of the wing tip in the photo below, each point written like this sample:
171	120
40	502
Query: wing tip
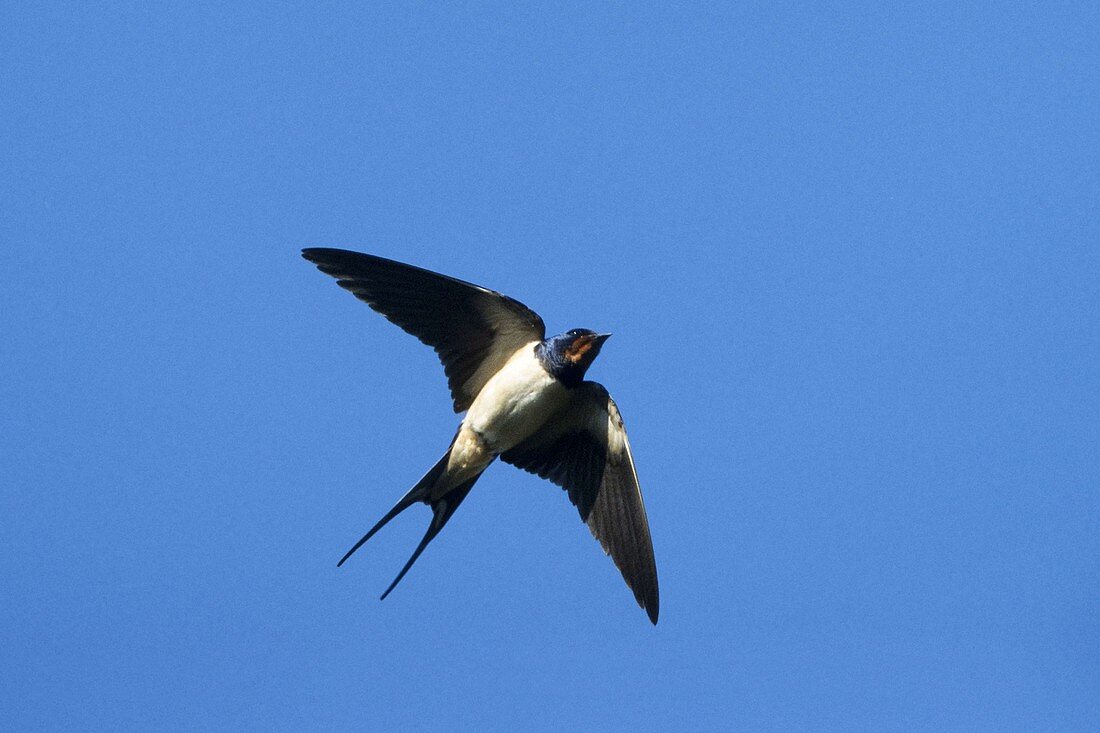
648	599
324	255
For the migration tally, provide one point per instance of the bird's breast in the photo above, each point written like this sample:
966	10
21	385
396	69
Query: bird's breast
516	401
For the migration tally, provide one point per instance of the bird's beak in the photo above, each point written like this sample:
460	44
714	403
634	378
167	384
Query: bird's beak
597	343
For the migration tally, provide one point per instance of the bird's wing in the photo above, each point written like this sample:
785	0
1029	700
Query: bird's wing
474	330
584	450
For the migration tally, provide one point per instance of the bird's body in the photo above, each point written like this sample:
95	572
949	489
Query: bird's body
526	402
513	404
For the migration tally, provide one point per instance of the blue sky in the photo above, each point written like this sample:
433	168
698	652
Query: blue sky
849	256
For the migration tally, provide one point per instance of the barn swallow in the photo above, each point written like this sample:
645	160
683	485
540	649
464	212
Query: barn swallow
526	402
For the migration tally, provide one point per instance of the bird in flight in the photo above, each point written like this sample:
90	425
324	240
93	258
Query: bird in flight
526	402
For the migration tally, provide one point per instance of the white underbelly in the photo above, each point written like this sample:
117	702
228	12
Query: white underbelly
515	402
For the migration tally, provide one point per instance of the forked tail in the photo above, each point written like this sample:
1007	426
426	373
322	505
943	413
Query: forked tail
442	508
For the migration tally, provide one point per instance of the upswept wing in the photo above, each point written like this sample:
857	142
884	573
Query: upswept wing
473	329
584	449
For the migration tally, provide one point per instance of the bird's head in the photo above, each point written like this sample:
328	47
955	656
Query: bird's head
568	355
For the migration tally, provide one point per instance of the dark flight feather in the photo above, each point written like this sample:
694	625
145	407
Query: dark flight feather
584	449
474	330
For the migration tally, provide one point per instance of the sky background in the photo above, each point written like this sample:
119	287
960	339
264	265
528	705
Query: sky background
849	253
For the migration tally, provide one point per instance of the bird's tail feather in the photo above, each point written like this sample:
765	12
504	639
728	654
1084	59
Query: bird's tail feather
442	507
420	492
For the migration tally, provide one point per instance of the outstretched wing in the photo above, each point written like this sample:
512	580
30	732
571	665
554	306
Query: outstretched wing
584	450
474	330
